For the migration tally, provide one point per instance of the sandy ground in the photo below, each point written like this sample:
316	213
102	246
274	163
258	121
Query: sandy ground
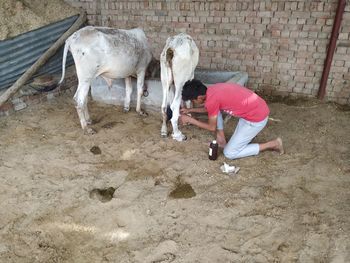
126	195
20	16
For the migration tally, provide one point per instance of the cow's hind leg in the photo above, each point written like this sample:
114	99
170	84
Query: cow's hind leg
140	84
166	77
87	115
164	129
81	98
175	107
128	91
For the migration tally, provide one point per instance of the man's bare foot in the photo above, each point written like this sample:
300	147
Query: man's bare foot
279	146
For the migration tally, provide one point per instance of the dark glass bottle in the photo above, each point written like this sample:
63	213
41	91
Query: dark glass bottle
213	150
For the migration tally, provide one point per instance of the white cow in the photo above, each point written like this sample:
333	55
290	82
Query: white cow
178	61
109	53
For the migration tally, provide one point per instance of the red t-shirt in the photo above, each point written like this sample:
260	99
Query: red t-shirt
235	100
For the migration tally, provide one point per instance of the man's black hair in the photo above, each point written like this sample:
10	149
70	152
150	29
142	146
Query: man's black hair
192	89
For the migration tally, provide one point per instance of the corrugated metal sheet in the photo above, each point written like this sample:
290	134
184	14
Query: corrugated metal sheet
20	53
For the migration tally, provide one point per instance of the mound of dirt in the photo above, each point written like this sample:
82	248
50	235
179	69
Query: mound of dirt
20	16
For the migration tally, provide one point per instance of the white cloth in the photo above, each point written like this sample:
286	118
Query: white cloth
229	169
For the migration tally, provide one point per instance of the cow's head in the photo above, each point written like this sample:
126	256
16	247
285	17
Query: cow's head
153	69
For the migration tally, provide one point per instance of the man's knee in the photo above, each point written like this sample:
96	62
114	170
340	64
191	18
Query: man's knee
230	154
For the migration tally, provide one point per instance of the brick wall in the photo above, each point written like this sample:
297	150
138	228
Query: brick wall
281	44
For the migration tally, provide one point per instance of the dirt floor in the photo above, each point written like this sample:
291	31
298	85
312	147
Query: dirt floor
127	195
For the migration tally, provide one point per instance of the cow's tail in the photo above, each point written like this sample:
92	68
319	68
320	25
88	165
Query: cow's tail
170	92
65	51
170	77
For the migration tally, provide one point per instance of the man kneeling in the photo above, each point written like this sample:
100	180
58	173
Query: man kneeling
237	101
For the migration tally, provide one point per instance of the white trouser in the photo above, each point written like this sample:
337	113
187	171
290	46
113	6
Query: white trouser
238	146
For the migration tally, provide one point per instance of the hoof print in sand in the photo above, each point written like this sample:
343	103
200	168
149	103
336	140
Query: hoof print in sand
182	191
109	125
103	195
95	150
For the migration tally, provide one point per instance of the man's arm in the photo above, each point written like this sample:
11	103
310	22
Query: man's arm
193	110
210	125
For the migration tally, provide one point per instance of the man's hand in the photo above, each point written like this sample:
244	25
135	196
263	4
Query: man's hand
210	125
185	110
185	119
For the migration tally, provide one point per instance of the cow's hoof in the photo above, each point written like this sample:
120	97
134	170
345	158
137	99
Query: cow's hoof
89	122
89	131
180	137
126	109
163	135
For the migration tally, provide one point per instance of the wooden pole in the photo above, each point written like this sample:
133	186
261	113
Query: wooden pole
42	60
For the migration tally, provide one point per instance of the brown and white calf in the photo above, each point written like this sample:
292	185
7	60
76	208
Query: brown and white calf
178	61
109	53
